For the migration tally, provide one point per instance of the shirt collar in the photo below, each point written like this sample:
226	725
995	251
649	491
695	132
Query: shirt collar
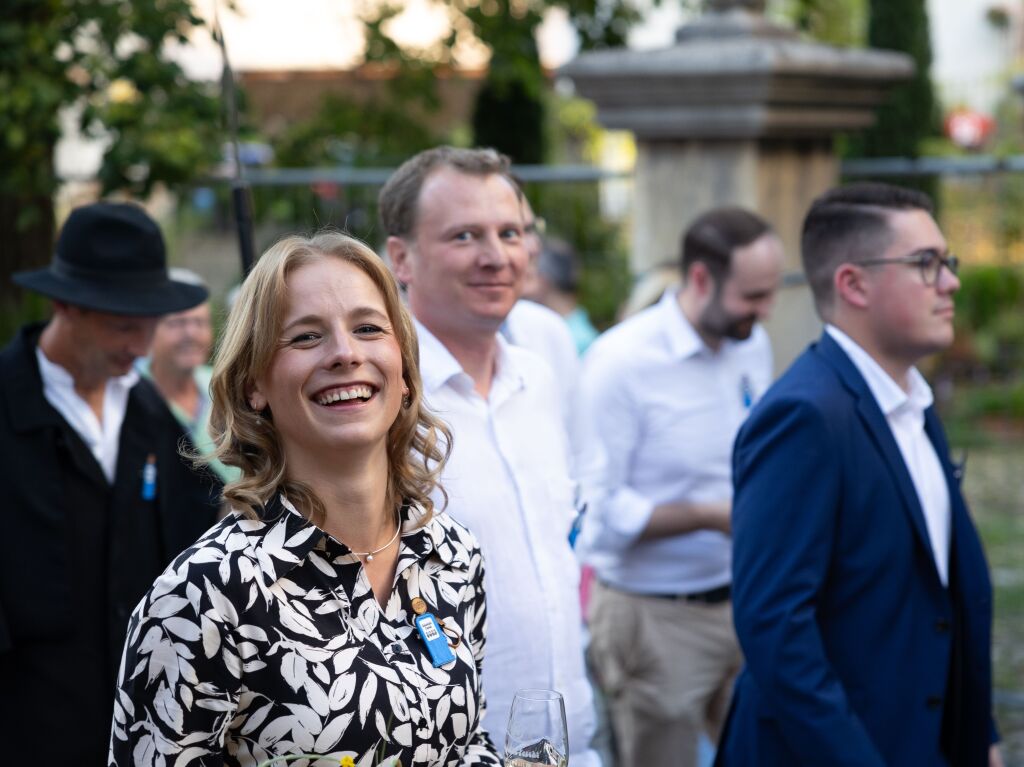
683	339
438	366
507	376
58	375
889	395
289	538
419	541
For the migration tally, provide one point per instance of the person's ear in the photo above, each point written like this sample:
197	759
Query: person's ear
67	311
851	285
257	401
400	256
701	279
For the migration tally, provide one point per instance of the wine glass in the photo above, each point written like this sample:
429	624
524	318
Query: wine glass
536	733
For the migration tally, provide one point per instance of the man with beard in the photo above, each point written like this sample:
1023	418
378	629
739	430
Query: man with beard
666	391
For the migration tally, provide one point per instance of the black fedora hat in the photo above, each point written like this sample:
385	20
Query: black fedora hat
110	258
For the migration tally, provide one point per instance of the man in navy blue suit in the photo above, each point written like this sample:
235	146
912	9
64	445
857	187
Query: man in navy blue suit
861	594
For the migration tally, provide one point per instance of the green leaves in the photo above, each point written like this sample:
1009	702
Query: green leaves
377	133
910	114
509	113
102	61
104	57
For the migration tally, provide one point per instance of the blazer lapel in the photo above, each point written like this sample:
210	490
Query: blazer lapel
29	410
80	454
150	429
881	435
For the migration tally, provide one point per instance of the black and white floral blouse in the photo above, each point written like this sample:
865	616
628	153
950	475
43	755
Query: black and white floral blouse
265	639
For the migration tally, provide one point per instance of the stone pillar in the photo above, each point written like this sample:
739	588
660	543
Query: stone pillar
739	111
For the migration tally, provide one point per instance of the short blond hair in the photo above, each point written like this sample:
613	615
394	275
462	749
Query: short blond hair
418	443
398	201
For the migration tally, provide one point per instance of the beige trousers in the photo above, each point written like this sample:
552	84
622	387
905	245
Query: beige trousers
666	668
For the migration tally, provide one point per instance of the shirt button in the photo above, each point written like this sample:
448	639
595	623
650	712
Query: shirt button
933	702
942	626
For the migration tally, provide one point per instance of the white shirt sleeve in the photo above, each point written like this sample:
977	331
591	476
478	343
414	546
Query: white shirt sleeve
608	416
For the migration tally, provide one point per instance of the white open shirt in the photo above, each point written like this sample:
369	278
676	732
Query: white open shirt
508	481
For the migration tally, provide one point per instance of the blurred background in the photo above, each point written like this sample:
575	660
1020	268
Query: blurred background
131	100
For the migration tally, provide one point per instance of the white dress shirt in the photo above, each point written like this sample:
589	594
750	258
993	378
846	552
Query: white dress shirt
666	408
508	481
543	331
904	411
103	438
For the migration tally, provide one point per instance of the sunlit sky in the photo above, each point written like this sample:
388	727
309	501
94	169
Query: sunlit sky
325	34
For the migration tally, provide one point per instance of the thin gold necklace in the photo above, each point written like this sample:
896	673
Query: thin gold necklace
368	555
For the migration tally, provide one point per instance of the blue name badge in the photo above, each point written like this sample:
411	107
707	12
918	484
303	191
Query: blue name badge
434	639
746	392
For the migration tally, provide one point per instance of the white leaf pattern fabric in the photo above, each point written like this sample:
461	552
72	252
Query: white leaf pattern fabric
264	639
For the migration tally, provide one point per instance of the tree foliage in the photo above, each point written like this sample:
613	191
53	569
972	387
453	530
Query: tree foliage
106	58
909	114
603	23
836	22
510	110
373	133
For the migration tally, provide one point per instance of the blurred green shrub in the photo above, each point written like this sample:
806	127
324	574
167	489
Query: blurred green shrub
32	308
573	213
988	355
986	292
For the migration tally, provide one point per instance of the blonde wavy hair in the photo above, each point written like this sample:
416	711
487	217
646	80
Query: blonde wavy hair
418	444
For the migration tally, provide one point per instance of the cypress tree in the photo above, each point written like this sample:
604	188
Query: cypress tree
910	113
509	113
509	116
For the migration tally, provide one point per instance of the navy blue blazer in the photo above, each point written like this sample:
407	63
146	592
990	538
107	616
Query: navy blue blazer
847	631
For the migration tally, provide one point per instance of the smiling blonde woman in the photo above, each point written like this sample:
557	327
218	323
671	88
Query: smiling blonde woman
335	610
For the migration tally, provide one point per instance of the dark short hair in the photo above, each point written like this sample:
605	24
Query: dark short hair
714	235
848	224
559	264
398	200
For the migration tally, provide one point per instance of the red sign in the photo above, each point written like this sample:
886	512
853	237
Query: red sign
969	129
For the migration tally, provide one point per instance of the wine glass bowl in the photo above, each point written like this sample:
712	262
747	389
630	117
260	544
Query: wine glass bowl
537	733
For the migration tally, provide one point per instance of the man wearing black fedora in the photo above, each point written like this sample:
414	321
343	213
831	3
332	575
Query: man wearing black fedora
97	498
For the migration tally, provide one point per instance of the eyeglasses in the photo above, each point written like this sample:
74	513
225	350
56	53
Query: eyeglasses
929	261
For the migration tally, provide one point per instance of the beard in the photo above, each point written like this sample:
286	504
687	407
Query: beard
717	322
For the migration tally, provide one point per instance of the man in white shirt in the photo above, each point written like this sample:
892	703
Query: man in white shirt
666	392
97	499
862	598
455	238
